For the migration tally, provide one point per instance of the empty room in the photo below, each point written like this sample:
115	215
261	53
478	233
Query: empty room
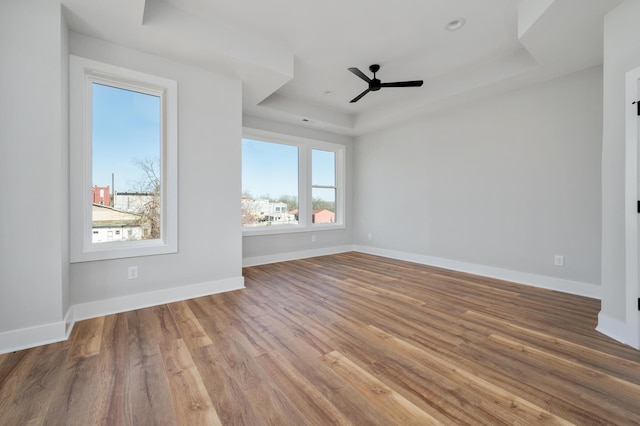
286	213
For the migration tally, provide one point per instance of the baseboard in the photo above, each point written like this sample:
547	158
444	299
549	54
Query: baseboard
612	327
153	298
551	283
284	257
30	337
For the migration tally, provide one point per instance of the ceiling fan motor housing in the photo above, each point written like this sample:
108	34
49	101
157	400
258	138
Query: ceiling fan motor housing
374	84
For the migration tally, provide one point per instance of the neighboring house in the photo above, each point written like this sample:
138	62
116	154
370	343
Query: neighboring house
318	216
255	211
132	202
109	224
323	216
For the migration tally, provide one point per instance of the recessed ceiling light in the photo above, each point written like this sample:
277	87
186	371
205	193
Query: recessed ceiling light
455	24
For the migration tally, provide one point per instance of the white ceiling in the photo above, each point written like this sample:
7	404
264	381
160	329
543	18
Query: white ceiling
290	52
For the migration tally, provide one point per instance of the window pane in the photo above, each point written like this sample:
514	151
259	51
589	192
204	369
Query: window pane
323	168
126	141
324	205
269	183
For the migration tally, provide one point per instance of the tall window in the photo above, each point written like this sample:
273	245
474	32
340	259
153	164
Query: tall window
124	150
291	184
126	142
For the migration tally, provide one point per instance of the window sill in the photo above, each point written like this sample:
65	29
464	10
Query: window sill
283	229
121	250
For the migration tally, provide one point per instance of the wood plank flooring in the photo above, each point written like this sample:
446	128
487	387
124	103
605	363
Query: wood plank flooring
348	339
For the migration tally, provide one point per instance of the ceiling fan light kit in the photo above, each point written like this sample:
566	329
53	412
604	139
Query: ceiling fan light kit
375	84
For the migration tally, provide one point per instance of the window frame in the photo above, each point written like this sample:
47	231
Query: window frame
83	73
305	189
334	186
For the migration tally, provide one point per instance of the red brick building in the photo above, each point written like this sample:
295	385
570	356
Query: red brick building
101	196
318	216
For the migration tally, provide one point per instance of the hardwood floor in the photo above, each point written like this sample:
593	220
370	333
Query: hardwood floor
342	339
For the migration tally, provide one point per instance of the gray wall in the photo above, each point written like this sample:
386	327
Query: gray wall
38	286
33	236
506	182
621	54
209	150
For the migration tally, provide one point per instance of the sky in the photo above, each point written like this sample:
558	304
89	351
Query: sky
126	128
271	169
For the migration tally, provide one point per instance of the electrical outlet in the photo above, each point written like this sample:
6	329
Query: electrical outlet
313	238
370	236
132	273
559	260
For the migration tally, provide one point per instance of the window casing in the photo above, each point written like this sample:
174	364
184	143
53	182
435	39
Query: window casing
320	186
85	75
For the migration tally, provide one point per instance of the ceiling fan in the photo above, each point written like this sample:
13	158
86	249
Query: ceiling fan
375	84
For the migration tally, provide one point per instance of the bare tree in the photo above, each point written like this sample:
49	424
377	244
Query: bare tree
319	204
249	215
149	185
290	200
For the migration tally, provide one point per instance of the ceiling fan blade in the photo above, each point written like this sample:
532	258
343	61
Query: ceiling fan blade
415	83
360	74
357	98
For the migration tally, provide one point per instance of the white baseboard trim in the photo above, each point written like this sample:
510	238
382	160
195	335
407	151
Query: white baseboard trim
153	298
612	327
551	283
30	337
284	257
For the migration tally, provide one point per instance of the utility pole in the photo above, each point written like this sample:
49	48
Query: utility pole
113	192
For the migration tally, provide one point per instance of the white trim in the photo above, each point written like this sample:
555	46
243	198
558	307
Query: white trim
82	73
632	195
153	298
305	147
551	283
30	337
612	327
284	257
290	229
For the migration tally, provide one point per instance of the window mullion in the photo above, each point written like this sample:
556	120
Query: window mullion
305	185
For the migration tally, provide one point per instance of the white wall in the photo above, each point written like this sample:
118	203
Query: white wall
257	249
32	227
505	183
621	54
209	240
